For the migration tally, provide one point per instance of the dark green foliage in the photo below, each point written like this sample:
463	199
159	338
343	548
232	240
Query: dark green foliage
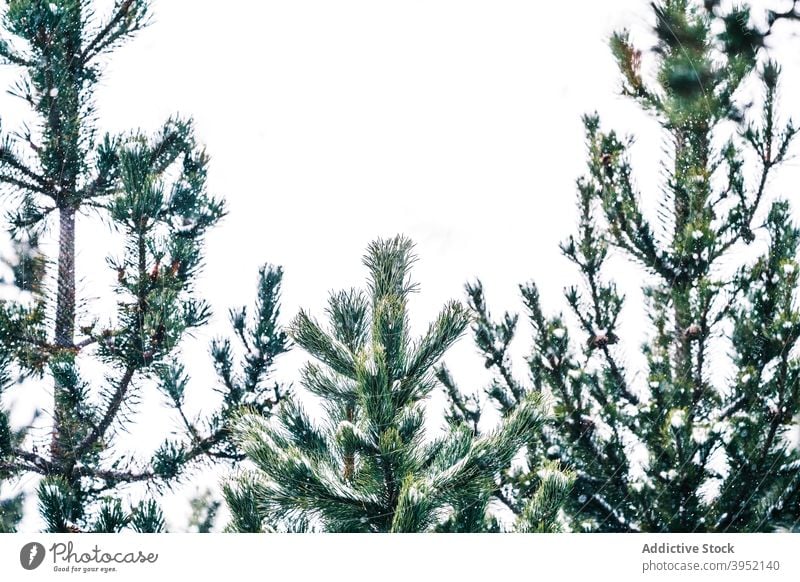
763	408
63	513
5	435
58	505
263	341
243	385
111	518
163	230
147	518
10	513
534	491
246	517
366	463
23	335
692	444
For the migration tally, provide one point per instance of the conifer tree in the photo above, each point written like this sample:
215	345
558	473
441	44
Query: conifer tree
152	190
698	441
365	463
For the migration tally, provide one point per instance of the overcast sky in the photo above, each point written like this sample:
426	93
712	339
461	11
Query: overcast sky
332	123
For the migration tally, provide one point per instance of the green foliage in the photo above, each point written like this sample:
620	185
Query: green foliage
5	436
63	512
58	505
147	518
111	517
541	512
366	464
533	490
152	190
762	409
263	341
163	244
689	445
244	383
10	514
246	517
23	333
204	512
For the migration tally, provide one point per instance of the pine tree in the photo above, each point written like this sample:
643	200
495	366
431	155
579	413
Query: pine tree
366	464
698	442
152	190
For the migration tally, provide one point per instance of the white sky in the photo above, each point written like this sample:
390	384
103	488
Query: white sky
456	122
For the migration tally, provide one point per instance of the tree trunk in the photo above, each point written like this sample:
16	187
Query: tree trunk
65	306
65	326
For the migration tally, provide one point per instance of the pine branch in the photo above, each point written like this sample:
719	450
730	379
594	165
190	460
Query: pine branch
12	467
461	409
308	334
32	458
11	56
778	418
133	12
9	159
26	186
441	335
113	478
107	418
489	335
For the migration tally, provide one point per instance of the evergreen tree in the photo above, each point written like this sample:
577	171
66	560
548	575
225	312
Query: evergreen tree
152	190
366	464
698	442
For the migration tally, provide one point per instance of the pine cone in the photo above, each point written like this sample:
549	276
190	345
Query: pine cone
606	159
602	339
692	332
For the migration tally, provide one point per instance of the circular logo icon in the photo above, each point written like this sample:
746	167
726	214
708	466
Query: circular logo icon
31	555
